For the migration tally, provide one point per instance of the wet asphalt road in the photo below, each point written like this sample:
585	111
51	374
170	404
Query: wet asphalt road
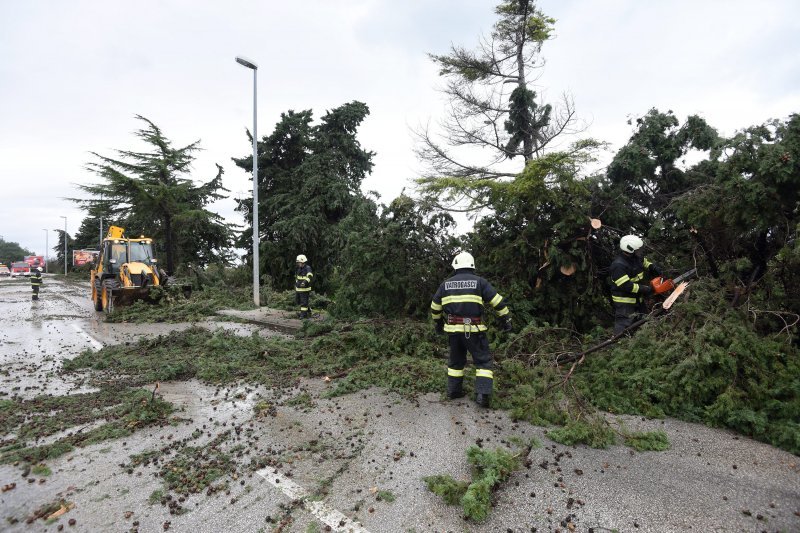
341	451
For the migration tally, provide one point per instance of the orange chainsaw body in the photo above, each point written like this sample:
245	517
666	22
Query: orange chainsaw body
661	285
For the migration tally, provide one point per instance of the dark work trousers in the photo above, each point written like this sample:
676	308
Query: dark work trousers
301	298
478	345
626	314
35	295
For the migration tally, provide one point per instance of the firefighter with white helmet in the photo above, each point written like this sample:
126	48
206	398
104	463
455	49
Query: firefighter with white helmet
457	309
628	284
302	285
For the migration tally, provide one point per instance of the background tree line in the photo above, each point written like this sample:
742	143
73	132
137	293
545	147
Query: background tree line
733	213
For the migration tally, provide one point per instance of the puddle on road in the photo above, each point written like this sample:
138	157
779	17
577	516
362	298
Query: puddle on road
35	337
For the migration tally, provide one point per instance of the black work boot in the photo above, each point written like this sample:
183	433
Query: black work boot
484	400
455	394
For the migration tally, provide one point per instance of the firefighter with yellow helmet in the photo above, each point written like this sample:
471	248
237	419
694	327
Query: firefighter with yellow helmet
302	285
457	308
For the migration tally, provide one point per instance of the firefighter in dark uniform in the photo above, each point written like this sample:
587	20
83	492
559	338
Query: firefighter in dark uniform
302	285
628	284
457	308
36	279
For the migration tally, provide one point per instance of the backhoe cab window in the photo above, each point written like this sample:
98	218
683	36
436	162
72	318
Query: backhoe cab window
141	251
119	252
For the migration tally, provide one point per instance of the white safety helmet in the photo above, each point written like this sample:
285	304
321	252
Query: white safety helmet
302	259
630	243
463	260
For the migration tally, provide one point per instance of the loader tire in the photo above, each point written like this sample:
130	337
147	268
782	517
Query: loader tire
106	300
97	297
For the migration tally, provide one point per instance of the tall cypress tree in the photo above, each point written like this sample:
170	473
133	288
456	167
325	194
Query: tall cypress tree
309	178
147	193
492	104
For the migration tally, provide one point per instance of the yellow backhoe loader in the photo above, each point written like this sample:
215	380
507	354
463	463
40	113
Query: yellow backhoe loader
126	271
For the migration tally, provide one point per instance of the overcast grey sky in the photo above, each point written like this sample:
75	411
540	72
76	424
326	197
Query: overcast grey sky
73	75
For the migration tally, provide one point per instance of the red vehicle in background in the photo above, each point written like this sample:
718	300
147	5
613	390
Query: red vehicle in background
20	268
31	259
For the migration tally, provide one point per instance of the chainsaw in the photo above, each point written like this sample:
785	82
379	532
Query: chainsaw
661	285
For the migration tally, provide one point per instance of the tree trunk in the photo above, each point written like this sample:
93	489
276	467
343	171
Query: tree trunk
527	137
169	245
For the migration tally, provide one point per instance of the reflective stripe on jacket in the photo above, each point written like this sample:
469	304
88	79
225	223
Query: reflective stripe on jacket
465	295
627	276
36	278
303	276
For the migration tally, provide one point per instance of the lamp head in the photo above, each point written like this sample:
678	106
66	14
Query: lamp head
246	63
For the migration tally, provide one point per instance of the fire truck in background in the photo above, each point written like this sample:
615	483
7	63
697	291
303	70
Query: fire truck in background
20	268
31	259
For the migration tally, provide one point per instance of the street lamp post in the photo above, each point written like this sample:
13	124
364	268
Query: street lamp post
46	250
256	296
65	244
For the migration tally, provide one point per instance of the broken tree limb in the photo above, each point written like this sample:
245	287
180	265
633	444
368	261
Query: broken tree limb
582	355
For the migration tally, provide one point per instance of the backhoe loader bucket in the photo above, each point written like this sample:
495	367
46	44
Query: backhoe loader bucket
128	295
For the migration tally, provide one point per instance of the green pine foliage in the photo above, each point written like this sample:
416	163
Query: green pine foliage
309	180
655	441
121	410
595	433
402	356
448	488
149	193
704	362
393	260
490	469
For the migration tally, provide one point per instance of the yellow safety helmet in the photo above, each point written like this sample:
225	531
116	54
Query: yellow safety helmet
302	259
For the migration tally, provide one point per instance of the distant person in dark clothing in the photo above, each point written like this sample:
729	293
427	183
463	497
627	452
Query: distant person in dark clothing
302	285
36	280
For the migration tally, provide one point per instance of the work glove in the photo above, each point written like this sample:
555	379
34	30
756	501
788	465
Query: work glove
645	290
506	326
438	327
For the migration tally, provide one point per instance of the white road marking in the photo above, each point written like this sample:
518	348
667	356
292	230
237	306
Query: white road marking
94	342
328	516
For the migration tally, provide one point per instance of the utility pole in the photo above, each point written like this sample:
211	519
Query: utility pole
256	293
65	245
